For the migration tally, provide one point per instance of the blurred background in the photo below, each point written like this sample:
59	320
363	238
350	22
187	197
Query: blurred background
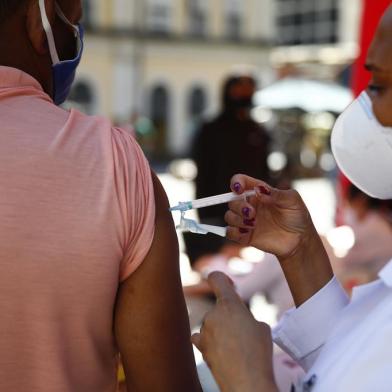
158	68
160	65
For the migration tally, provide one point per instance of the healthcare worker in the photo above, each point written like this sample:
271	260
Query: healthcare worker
343	345
88	251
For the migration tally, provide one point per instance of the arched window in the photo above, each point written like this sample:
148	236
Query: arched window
160	114
196	107
159	104
197	102
82	97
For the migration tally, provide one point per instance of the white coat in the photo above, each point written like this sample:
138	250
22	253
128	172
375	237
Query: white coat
344	346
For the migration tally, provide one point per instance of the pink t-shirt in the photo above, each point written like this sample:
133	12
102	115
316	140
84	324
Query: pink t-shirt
76	217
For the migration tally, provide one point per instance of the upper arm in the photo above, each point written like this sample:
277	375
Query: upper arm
151	322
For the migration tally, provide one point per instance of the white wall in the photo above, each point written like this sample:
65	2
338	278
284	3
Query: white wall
123	86
261	19
351	16
124	13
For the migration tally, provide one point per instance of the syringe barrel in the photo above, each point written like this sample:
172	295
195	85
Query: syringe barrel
221	199
211	201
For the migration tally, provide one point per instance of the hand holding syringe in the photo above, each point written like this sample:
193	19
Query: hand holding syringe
198	228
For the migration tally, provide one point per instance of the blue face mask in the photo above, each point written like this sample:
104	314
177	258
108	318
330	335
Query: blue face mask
63	71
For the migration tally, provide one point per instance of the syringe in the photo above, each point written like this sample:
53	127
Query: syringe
212	201
192	226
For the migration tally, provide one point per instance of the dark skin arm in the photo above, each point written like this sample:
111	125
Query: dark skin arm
151	321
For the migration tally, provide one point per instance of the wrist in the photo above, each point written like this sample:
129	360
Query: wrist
259	385
265	385
261	378
308	269
254	379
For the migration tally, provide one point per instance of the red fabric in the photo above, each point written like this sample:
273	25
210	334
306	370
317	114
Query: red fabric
372	13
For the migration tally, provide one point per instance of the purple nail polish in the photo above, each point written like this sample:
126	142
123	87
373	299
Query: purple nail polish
243	231
237	187
264	190
246	212
249	222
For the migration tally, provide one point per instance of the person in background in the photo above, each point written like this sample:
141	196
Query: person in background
231	143
343	345
265	278
88	250
370	220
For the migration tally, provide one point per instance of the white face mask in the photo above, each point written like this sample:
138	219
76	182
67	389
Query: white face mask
363	149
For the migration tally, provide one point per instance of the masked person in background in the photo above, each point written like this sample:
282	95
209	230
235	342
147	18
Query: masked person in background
231	143
343	345
86	240
371	230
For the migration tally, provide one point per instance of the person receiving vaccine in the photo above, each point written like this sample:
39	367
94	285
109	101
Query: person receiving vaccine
344	345
88	251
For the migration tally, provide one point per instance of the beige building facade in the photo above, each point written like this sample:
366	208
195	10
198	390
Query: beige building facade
166	59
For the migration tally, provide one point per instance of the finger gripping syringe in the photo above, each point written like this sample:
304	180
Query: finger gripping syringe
212	201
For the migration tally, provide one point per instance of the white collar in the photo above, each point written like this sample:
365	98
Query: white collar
386	274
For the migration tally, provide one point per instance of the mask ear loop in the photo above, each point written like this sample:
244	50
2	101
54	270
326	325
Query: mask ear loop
49	33
61	15
75	28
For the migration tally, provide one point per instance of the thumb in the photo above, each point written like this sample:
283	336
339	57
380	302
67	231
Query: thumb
196	340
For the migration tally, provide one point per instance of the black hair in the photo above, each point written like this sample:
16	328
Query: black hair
373	204
7	7
229	83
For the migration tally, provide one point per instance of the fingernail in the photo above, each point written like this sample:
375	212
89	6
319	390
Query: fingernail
243	231
246	211
264	190
237	187
249	222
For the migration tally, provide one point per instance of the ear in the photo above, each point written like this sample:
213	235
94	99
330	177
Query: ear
34	26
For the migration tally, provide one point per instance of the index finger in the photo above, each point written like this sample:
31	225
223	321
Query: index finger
222	286
241	182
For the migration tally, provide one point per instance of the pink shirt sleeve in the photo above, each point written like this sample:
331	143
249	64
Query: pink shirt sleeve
136	196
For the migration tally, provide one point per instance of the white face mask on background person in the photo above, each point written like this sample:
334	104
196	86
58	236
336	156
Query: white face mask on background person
363	149
350	216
